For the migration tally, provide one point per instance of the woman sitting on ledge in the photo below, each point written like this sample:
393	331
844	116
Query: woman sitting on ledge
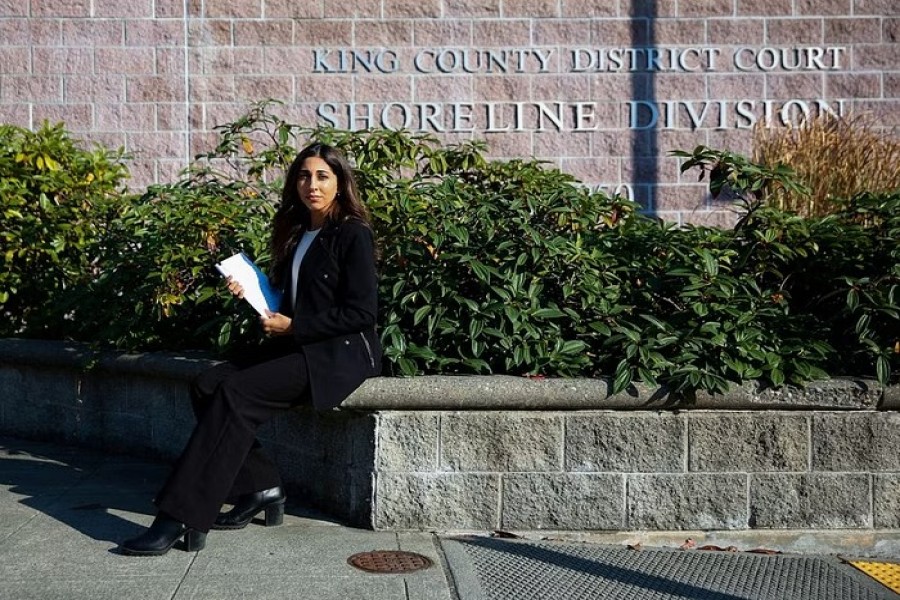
323	346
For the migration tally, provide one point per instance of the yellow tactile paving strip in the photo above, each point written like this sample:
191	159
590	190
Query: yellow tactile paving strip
887	574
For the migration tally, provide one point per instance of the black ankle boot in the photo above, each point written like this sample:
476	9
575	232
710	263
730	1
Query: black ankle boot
161	536
247	507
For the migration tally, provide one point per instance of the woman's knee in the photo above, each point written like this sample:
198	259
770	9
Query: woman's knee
231	389
204	384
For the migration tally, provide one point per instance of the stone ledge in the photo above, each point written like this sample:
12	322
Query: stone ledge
481	392
49	353
505	392
891	398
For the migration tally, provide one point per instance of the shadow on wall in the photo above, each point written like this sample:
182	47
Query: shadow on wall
644	142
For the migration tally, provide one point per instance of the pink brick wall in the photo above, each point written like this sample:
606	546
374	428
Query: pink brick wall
157	75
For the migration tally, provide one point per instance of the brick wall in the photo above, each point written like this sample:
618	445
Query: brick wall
155	76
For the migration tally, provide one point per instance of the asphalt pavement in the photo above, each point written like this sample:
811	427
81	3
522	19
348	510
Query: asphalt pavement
63	511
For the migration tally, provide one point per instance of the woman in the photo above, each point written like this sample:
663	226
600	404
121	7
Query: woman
323	347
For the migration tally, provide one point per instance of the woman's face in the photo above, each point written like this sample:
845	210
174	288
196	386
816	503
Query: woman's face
318	187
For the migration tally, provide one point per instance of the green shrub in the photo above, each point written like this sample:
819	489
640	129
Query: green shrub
492	269
836	276
157	286
57	199
513	267
851	283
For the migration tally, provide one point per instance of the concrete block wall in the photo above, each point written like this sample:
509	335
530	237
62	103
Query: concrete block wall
156	76
494	452
640	470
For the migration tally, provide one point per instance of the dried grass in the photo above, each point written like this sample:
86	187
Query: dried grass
836	157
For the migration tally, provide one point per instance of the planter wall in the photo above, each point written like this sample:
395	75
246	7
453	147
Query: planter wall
457	453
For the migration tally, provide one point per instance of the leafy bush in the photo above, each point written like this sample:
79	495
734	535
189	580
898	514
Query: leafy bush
512	267
836	276
851	283
491	270
57	199
157	287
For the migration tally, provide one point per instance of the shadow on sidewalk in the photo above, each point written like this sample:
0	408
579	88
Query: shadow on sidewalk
88	490
522	555
79	488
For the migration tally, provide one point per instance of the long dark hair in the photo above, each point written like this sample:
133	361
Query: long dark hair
292	216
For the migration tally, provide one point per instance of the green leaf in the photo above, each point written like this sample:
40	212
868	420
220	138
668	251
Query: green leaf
475	328
852	299
573	347
407	367
654	321
631	334
205	294
862	324
420	314
777	377
622	377
710	327
647	376
601	328
883	370
224	335
478	365
548	313
481	271
737	366
710	264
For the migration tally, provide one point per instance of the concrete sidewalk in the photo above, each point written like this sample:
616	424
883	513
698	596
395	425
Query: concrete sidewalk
63	511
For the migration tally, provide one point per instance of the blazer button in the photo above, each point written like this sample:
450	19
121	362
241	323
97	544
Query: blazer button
346	342
325	275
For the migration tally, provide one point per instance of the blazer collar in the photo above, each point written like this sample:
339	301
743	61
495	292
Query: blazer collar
329	228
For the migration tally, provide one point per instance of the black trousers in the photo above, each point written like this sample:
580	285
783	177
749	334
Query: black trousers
223	459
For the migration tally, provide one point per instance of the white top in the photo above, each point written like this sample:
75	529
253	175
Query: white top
305	242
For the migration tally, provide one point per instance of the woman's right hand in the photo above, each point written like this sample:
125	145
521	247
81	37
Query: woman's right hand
234	287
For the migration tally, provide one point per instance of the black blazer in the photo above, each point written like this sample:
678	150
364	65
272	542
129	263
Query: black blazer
334	316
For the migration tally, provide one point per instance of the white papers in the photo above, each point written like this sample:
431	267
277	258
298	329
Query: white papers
257	290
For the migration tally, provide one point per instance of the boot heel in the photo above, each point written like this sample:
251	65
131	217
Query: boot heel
194	541
274	514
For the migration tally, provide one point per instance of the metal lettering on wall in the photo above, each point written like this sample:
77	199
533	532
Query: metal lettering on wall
574	116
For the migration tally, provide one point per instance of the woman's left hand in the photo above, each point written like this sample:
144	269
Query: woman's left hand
276	324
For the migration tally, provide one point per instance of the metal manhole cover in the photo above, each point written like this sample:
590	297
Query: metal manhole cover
389	561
